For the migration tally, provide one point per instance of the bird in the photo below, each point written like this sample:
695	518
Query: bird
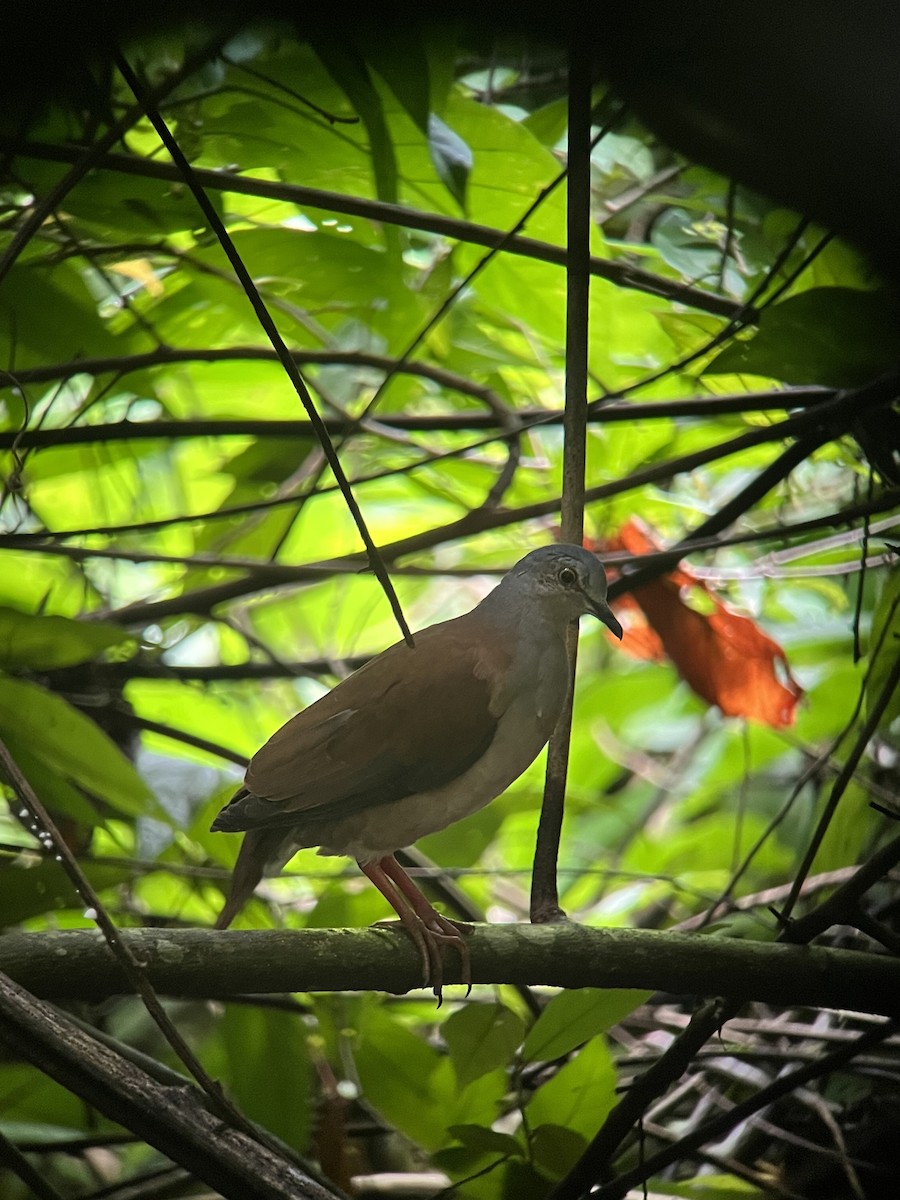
417	738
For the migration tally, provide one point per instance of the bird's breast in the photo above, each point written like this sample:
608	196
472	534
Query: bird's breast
527	706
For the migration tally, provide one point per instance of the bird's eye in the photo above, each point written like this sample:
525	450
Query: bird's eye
567	576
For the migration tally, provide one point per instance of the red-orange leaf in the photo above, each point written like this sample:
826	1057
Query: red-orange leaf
724	657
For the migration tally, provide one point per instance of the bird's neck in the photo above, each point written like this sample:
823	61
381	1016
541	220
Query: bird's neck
520	616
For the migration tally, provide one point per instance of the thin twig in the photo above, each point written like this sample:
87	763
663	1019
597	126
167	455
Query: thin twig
544	889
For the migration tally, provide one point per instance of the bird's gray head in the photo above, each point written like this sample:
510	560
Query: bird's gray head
566	580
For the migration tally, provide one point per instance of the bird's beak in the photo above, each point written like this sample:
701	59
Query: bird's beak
604	613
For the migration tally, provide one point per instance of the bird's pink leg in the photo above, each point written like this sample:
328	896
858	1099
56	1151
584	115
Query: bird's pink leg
429	930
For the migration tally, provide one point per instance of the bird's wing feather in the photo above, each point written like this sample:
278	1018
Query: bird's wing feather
409	721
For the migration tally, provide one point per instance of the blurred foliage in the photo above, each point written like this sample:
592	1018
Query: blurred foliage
144	650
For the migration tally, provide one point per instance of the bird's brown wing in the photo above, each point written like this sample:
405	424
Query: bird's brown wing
408	721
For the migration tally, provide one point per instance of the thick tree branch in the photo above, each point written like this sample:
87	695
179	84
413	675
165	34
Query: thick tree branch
174	1119
76	964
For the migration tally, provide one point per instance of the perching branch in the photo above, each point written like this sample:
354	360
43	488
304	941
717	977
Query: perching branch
77	964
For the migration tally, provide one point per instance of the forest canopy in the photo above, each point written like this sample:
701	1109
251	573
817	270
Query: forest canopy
303	340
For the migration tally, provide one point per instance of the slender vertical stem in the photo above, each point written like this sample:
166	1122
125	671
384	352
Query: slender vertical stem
544	892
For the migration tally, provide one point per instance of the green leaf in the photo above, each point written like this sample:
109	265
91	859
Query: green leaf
574	1017
481	1037
549	123
27	337
69	743
836	336
44	643
403	64
58	793
120	206
348	69
556	1149
486	1141
580	1094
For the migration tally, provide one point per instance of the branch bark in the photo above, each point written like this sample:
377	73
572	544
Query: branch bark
77	964
174	1119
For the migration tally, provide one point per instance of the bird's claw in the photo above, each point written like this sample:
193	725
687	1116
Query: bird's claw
431	939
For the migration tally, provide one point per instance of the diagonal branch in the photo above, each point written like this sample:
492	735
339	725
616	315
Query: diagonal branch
173	1119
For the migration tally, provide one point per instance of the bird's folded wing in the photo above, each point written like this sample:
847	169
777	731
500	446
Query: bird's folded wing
409	721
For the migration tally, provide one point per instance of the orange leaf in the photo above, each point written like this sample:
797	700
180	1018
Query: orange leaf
724	657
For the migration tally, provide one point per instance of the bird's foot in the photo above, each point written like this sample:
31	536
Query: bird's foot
431	937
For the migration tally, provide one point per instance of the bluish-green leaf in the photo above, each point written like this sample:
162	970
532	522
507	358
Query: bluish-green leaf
452	158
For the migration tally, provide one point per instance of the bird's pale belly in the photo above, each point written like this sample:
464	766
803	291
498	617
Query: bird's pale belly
382	830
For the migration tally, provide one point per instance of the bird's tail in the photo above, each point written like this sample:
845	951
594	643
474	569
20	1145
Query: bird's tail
262	851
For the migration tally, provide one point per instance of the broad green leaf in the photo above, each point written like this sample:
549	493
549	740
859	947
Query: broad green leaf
580	1094
32	1131
576	1016
848	831
522	1181
403	64
30	291
71	744
486	1141
837	337
46	642
549	123
33	1098
63	798
481	1037
348	69
556	1149
117	205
